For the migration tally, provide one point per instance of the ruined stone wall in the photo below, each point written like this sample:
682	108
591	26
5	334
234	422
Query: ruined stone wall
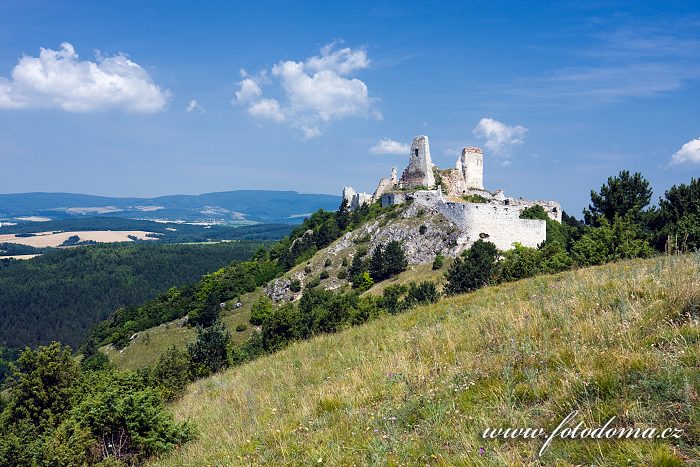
453	181
552	208
420	165
385	184
472	162
495	223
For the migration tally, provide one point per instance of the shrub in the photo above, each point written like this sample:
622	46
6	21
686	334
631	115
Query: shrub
260	310
344	263
208	353
324	275
438	262
365	282
474	198
295	286
241	327
280	328
422	229
342	274
172	373
422	293
313	283
327	263
473	270
307	269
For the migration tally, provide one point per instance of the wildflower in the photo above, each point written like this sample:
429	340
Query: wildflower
482	451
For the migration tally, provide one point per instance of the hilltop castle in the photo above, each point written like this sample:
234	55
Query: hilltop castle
459	195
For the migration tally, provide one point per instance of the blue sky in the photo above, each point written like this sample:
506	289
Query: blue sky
315	96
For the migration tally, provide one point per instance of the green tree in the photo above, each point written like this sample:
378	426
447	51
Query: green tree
342	216
678	217
208	353
280	328
395	260
473	269
623	239
172	372
623	195
210	312
260	310
376	264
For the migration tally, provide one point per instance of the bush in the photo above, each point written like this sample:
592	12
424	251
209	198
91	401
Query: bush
422	293
621	240
260	310
208	353
280	328
438	262
365	282
58	415
327	263
473	270
241	327
422	229
474	198
295	286
342	274
172	373
324	275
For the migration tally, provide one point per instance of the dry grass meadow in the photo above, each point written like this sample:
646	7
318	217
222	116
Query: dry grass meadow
419	388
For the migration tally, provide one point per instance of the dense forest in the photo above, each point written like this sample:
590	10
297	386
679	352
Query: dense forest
64	293
168	232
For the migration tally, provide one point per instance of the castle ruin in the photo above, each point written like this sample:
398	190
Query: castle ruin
459	195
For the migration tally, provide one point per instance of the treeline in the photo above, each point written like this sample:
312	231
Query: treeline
169	232
317	231
11	249
64	293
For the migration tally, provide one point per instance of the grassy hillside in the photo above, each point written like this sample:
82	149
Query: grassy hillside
420	388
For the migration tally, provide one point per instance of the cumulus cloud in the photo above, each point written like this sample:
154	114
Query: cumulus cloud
500	138
194	105
689	152
389	146
58	79
314	92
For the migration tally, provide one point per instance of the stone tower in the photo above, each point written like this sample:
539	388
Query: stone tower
471	165
420	165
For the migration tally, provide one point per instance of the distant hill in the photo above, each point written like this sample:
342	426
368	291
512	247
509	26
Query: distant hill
229	207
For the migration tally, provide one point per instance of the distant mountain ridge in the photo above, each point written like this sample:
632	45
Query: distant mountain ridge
228	207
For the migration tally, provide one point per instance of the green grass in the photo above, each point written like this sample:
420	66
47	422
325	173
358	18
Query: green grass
420	388
148	345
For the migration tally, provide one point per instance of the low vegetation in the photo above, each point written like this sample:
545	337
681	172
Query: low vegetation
617	340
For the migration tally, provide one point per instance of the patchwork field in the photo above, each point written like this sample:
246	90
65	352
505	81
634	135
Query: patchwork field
54	239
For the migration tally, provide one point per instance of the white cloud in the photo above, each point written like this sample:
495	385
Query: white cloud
500	138
57	79
248	91
689	152
194	105
315	91
267	108
389	146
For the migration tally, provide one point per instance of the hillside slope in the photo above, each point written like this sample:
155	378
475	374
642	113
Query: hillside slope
420	388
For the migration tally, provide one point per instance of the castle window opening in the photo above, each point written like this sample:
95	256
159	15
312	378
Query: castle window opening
416	152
